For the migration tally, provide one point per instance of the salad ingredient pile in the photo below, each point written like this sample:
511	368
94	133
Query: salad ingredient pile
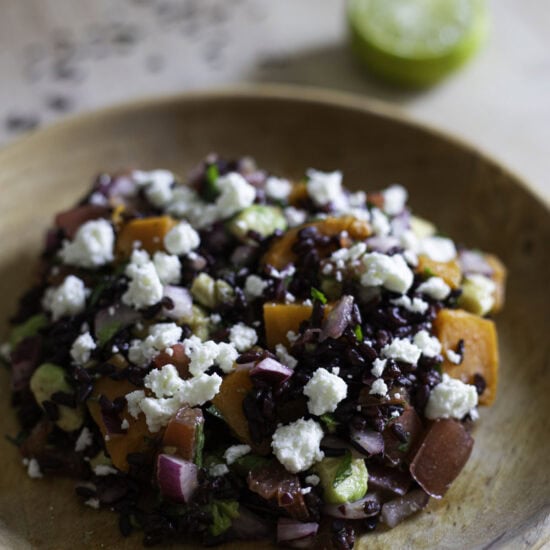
241	356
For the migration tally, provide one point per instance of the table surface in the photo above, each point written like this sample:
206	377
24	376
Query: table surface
59	57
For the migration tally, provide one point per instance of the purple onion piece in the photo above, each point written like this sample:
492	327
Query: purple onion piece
370	441
118	186
112	422
181	298
290	531
365	507
338	319
474	262
395	511
249	526
383	243
401	223
177	478
271	371
389	482
118	314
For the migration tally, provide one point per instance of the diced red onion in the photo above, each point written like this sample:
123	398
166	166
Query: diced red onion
118	186
181	298
395	511
119	313
72	219
365	507
401	223
370	441
177	478
271	371
290	531
338	319
389	482
474	262
382	243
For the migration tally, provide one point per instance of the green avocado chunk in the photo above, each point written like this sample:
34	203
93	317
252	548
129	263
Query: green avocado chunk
49	379
259	218
343	479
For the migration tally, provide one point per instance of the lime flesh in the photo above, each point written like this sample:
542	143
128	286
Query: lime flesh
416	42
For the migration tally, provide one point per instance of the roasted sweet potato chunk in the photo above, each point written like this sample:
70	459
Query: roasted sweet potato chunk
450	272
149	232
480	354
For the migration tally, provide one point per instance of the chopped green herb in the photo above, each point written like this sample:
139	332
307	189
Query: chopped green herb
223	512
107	332
318	295
214	411
329	421
27	329
429	272
247	463
404	447
344	470
358	333
211	189
199	444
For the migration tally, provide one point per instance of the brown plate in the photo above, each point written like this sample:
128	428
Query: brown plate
503	495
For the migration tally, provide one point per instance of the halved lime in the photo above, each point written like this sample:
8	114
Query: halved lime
416	42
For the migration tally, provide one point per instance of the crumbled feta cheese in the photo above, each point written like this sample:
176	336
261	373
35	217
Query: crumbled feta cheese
435	287
200	389
430	346
451	398
391	272
144	288
254	286
357	199
202	355
134	400
82	348
158	184
93	503
439	249
335	371
291	336
380	223
160	337
181	239
92	245
158	411
401	349
168	268
185	201
296	445
235	194
324	391
84	440
305	490
277	189
242	337
125	424
414	305
454	357
104	470
33	469
294	216
378	367
313	479
348	255
325	188
379	387
5	351
69	298
289	298
218	470
226	357
395	198
410	257
164	382
235	452
284	357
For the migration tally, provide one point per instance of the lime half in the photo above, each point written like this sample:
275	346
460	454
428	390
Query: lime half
416	42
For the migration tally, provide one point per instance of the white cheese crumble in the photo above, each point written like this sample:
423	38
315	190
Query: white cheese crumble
84	440
292	336
378	367
202	355
144	288
435	287
125	424
395	198
218	470
242	337
284	357
313	480
168	268
92	245
235	452
235	194
451	398
429	345
297	445
380	223
254	286
454	357
93	503
160	337
294	216
82	348
324	391
69	298
325	187
227	355
414	305
391	272
401	349
158	184
277	189
379	387
33	469
164	382
439	249
104	470
181	239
